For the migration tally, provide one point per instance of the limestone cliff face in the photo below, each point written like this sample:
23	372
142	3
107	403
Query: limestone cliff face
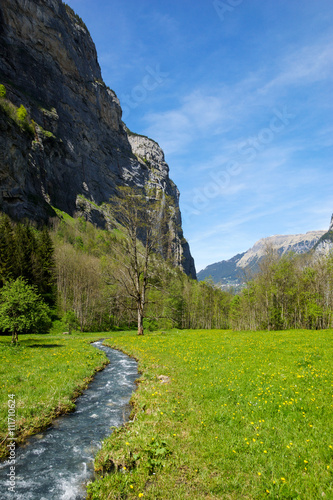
151	156
324	246
282	244
78	150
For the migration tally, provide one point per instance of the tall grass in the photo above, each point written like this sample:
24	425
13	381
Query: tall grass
241	415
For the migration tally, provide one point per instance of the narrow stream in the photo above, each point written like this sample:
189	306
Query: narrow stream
57	463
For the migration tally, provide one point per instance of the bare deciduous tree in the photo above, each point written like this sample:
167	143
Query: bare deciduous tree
143	224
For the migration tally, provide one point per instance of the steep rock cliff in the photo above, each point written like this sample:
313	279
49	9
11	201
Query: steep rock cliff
76	150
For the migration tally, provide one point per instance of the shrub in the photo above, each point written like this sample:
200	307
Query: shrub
22	113
3	92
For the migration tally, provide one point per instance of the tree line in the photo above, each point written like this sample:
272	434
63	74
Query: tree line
98	279
292	291
124	277
119	278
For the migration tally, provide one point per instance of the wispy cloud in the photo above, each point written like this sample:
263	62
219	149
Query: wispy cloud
304	66
216	110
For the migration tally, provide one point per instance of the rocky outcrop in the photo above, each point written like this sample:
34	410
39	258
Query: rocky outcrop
324	245
151	157
76	150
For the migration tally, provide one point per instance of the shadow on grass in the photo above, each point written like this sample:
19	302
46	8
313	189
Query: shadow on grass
45	346
26	344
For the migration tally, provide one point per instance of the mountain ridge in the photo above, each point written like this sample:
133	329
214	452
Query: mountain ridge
232	272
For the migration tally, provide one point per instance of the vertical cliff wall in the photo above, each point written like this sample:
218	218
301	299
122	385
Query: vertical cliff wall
73	150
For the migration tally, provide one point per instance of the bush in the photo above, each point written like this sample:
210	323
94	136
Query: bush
3	92
22	113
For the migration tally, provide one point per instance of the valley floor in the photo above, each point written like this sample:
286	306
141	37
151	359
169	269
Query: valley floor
217	414
241	415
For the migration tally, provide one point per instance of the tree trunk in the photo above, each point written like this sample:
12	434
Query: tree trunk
140	320
14	337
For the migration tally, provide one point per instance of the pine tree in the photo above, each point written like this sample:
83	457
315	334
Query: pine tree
44	267
7	249
25	247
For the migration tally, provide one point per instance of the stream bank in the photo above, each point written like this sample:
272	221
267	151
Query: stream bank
56	464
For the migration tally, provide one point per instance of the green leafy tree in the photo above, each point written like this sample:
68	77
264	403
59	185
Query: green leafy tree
3	92
22	309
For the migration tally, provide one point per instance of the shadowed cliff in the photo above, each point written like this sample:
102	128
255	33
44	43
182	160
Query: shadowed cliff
72	150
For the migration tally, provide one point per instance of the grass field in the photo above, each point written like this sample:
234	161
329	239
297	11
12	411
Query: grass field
44	373
245	415
236	415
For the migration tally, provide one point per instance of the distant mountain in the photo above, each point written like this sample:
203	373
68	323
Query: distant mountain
225	272
232	272
325	244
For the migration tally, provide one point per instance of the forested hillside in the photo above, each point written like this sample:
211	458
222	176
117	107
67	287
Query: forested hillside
74	267
77	269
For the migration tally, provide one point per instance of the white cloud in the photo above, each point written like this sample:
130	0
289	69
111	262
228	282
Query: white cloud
304	66
216	111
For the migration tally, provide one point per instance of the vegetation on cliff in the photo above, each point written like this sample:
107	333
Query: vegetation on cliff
95	280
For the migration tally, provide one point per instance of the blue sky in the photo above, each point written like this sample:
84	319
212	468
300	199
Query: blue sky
238	94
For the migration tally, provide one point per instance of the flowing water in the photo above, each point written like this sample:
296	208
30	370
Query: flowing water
57	463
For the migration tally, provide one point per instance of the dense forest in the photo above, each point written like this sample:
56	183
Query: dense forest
27	253
76	269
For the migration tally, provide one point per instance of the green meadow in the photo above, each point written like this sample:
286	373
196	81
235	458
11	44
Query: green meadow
244	415
45	373
217	414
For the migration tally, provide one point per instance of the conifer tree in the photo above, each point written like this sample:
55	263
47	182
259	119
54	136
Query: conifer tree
7	250
25	247
44	267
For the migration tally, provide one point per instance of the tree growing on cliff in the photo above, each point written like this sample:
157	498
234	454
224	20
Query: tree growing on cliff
143	224
3	92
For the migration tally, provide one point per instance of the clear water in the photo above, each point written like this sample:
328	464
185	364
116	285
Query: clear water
58	463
